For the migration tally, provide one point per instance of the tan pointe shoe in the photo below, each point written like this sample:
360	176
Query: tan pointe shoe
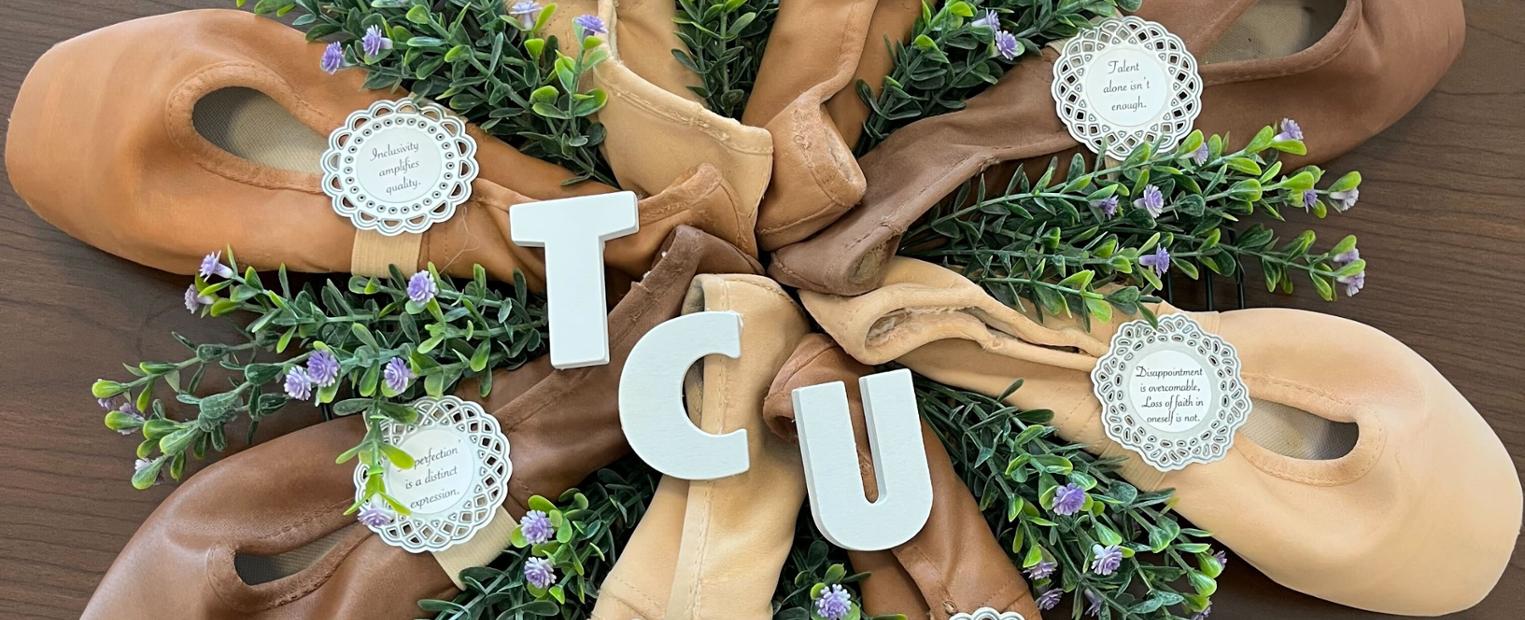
733	534
1360	476
262	534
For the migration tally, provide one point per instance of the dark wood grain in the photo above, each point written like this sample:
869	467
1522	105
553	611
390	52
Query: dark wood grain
1440	221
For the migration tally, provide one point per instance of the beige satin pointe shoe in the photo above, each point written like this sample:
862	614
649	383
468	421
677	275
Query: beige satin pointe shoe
954	565
1344	69
715	548
1360	476
263	534
214	139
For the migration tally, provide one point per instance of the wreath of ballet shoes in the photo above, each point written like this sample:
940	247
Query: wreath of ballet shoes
715	548
160	138
262	534
1344	69
954	565
1360	476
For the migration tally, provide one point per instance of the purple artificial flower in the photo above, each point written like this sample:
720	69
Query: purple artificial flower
526	11
298	385
1007	46
1343	201
834	603
322	368
1069	499
211	265
1221	557
1290	130
1353	284
537	527
374	516
130	410
110	403
1202	615
1049	599
1094	609
989	20
1108	205
1107	559
1159	260
1044	568
194	300
1152	201
1200	155
333	58
539	572
589	25
421	287
1310	198
397	374
374	41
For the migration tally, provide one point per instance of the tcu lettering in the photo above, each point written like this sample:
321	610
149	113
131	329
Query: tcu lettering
651	387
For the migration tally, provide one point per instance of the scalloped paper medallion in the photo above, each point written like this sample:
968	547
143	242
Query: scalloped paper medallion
1173	394
986	613
399	166
459	476
1125	82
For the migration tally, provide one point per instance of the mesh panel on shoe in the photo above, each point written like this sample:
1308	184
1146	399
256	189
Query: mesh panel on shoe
1292	432
251	125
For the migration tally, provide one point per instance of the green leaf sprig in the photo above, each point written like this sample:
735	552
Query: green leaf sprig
1053	240
951	55
723	45
1014	464
813	566
495	69
463	332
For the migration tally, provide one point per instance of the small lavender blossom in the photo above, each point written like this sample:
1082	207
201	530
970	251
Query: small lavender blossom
834	603
194	300
1069	499
526	11
1353	284
1007	46
374	516
1344	200
589	25
539	572
1310	198
1152	201
1290	130
333	58
298	385
1221	556
1108	205
1107	560
130	410
988	20
1342	259
1159	260
374	41
397	375
1200	155
1202	615
110	403
1094	609
1049	599
1042	570
421	287
211	265
537	527
322	368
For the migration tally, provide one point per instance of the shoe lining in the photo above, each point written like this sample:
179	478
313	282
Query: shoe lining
258	569
1295	433
1276	28
251	125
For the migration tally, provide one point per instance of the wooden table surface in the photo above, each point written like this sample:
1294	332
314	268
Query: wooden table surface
1440	221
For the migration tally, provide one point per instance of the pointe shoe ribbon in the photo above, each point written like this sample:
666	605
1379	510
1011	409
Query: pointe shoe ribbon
1343	481
715	548
1374	64
262	533
158	182
954	564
